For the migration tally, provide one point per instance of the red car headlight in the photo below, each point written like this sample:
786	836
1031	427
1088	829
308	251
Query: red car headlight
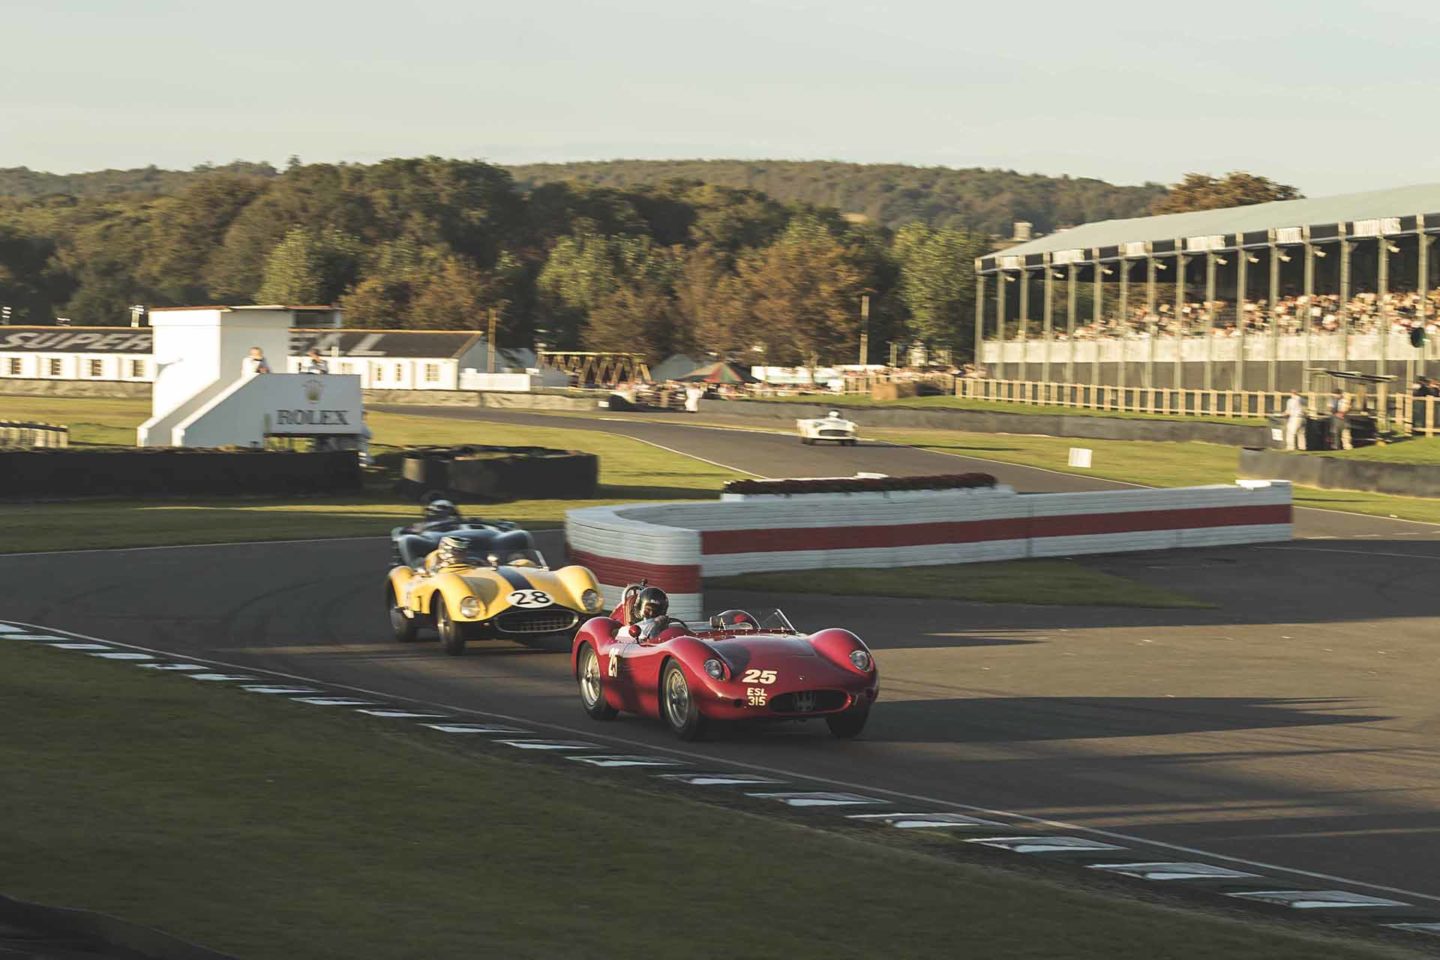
861	660
715	670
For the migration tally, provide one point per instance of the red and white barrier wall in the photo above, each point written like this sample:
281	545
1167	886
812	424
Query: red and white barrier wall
676	545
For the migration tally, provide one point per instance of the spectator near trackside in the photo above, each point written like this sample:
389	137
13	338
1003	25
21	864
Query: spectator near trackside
1294	420
1339	409
315	363
254	363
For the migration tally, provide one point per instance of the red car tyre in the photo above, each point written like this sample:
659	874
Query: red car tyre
848	725
592	689
678	706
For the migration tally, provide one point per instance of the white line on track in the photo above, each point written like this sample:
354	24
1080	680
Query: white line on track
762	768
1361	553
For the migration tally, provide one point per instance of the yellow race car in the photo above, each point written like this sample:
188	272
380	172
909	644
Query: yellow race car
480	581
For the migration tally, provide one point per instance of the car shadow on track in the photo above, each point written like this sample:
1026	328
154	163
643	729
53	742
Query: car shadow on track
999	719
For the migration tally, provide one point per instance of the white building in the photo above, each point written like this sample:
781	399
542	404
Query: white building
384	359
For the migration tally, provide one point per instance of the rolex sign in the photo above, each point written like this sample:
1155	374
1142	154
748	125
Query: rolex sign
303	403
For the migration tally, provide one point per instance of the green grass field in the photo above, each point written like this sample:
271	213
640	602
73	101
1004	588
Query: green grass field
1019	581
277	830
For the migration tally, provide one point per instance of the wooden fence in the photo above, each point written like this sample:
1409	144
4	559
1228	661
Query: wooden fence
17	434
1398	412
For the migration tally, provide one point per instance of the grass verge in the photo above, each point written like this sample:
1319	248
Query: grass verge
1019	581
271	829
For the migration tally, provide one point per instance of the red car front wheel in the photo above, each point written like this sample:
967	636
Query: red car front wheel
678	705
592	687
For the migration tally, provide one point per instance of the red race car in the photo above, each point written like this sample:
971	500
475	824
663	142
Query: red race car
735	667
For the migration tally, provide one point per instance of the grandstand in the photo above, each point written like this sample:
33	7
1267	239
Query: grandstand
1243	298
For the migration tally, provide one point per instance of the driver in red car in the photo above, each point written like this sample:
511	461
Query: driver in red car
647	609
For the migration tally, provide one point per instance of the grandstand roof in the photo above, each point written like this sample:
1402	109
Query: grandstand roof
1347	208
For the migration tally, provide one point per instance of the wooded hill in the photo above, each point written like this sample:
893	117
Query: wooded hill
974	200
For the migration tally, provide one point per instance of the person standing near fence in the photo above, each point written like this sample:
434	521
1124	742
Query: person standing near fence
1294	421
315	362
1339	410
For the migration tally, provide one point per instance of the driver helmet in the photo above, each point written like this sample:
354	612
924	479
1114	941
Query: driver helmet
834	414
651	602
441	510
454	550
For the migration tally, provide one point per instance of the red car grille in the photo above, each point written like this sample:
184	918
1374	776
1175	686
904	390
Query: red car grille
810	701
553	620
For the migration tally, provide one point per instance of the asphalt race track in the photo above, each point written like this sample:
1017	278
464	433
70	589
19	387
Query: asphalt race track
1291	725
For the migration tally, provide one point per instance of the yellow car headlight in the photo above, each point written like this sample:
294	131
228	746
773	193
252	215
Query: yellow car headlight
591	601
470	607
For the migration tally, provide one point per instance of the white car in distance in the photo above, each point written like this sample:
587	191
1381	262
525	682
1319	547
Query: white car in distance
832	428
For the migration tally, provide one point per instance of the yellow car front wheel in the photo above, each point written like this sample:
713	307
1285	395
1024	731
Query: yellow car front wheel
452	636
406	629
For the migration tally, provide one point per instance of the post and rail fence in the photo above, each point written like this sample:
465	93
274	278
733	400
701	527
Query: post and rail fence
18	434
1394	411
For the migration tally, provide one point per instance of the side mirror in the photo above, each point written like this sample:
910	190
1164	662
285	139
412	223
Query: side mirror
633	630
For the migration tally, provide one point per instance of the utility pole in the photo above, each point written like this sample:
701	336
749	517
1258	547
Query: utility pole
490	343
864	329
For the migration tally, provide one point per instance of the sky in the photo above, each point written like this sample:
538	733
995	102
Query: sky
1328	95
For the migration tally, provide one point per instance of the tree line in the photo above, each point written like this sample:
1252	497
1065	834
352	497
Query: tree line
433	243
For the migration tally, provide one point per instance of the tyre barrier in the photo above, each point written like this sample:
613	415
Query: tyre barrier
164	471
677	545
495	474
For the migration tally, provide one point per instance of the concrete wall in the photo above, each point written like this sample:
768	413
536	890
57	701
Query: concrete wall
675	546
980	421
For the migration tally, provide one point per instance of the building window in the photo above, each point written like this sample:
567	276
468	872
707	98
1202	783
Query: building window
14	366
347	367
52	366
399	373
432	373
97	367
137	369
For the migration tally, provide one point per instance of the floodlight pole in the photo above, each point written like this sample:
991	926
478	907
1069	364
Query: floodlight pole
1096	310
1309	318
1242	267
1049	319
864	329
1124	324
1071	276
1382	287
1151	318
490	343
979	315
1422	268
1022	323
1000	280
1271	370
1209	319
1179	375
1344	299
